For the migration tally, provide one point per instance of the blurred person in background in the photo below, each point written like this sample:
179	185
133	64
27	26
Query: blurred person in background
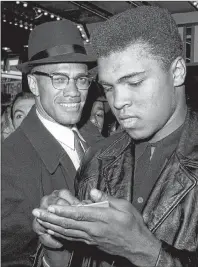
21	106
6	124
98	113
15	113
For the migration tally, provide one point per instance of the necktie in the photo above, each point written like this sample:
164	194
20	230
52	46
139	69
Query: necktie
78	145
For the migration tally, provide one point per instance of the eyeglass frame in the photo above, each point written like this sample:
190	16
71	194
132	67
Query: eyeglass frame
50	75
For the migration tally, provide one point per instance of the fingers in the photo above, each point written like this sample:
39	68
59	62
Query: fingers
48	241
87	201
97	195
67	195
63	221
61	197
80	213
64	233
38	228
118	204
61	201
44	236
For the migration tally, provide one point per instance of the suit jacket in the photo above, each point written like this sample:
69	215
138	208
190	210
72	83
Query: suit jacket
171	212
33	165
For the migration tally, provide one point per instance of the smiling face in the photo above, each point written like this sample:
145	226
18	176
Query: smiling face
63	106
20	110
144	97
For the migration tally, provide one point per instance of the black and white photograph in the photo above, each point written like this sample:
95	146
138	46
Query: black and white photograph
99	133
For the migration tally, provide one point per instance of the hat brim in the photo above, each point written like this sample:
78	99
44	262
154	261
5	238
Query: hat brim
67	58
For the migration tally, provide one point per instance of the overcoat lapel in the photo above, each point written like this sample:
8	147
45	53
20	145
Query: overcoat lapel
69	171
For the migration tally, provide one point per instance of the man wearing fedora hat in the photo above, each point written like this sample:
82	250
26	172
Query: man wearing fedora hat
44	153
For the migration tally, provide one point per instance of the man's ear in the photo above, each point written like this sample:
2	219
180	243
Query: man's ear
178	68
32	82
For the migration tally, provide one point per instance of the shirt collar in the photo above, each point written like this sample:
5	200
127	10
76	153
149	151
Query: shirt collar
61	133
170	140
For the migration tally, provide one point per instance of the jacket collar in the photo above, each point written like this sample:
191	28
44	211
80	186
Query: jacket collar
119	143
48	148
185	150
187	147
178	177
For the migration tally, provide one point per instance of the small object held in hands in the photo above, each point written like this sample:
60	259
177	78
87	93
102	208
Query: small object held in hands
103	204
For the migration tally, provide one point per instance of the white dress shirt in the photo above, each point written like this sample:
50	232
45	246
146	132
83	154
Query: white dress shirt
65	136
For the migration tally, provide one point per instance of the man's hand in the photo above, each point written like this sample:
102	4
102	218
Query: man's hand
118	230
58	197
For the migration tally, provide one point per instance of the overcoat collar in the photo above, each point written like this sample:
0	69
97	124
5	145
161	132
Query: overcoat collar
48	148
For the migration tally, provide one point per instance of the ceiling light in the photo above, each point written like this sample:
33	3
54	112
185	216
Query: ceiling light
10	22
6	48
58	18
52	16
4	20
45	13
39	10
195	3
26	27
87	40
15	23
25	4
17	2
21	25
31	29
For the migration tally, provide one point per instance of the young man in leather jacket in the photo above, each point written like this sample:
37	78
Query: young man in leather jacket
148	173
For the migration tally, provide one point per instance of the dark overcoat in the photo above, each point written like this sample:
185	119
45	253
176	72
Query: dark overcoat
33	165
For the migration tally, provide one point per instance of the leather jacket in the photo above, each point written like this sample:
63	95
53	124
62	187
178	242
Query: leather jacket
171	212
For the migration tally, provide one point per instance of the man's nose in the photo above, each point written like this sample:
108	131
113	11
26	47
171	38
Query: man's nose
71	89
121	98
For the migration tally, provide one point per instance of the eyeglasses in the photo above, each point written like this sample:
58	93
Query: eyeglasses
60	80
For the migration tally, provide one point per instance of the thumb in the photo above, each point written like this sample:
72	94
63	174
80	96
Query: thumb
97	195
116	203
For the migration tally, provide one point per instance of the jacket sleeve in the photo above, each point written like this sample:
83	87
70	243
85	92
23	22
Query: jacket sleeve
172	257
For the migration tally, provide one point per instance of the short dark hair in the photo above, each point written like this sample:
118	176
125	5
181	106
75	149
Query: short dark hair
21	95
151	26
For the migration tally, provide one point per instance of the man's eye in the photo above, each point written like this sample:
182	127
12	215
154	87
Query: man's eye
100	115
60	79
83	80
19	116
135	84
107	88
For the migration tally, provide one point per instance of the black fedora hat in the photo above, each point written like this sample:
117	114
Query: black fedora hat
56	42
